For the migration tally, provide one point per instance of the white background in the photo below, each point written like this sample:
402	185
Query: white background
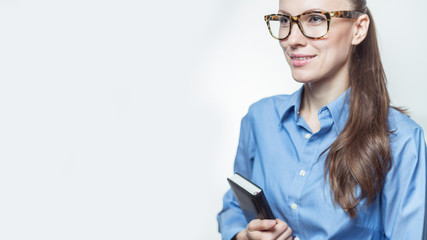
120	119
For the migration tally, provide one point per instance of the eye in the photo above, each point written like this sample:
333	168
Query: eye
316	18
284	20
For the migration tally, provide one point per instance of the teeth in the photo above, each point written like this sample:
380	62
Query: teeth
301	58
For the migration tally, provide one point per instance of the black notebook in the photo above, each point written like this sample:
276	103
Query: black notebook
251	198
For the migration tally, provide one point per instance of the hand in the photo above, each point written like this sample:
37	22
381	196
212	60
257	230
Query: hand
266	229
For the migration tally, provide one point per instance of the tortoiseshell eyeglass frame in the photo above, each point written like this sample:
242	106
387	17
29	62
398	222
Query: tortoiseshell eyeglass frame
295	19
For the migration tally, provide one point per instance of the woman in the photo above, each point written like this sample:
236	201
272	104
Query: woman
334	159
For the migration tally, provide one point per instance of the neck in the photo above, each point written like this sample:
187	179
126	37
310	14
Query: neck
319	94
316	97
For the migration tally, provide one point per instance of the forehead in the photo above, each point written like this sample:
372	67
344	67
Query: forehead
296	7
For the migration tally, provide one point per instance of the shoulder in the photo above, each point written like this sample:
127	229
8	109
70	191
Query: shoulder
402	125
405	132
268	105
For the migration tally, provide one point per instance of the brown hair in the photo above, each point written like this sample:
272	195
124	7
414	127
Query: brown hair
360	156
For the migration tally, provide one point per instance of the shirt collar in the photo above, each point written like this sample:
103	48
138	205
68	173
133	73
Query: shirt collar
338	108
293	103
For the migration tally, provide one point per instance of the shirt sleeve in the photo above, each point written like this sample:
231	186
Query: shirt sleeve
404	193
231	219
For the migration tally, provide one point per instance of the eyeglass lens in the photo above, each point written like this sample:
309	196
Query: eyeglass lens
311	24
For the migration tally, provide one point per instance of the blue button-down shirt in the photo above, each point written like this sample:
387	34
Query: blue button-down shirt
278	151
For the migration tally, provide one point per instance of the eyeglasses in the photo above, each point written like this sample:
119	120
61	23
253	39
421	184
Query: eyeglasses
313	24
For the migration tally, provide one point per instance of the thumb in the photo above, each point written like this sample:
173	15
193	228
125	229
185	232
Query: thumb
261	225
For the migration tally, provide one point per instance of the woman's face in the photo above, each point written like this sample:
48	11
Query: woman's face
322	59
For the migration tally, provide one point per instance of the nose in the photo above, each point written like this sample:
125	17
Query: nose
296	37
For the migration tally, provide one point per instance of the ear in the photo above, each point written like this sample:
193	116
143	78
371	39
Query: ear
360	29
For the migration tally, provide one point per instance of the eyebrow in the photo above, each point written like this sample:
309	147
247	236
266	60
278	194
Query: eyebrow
309	10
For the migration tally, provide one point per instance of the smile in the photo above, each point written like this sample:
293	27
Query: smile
301	60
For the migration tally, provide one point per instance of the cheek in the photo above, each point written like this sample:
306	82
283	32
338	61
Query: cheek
341	38
283	44
337	47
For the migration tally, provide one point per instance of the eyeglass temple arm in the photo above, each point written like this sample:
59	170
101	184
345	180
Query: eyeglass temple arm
346	14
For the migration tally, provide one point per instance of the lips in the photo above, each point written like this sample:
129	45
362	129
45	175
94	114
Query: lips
300	60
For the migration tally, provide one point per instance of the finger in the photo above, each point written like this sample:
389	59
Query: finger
261	225
279	231
286	235
282	230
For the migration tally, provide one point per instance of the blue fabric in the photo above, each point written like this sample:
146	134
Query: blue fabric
278	151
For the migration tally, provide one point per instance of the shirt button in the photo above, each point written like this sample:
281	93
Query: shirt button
302	173
294	206
307	136
297	238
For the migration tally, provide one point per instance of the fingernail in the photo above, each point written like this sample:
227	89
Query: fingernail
271	222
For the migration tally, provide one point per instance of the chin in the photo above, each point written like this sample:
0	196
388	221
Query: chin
303	77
